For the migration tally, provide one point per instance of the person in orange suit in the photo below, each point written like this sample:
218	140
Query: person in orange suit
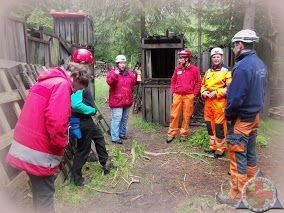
213	90
185	86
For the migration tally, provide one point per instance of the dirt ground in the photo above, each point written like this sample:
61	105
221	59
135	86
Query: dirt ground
174	183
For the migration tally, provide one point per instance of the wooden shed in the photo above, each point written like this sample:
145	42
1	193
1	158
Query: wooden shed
159	58
74	27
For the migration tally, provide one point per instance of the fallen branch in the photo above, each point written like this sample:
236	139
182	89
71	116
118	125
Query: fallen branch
137	197
172	194
184	178
191	155
115	175
119	193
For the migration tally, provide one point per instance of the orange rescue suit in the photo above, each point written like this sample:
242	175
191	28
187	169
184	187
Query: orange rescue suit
216	79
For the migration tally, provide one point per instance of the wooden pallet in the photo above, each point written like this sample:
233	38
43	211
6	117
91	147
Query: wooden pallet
14	82
276	112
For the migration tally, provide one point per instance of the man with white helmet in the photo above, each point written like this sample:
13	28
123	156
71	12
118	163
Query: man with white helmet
245	99
121	82
214	90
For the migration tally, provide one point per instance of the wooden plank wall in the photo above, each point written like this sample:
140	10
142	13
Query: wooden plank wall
12	37
157	102
79	31
14	83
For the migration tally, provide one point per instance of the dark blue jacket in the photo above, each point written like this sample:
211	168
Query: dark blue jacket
245	95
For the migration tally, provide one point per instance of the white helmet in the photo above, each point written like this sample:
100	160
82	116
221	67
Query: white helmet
216	50
247	36
120	58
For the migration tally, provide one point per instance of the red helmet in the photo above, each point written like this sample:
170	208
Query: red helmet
83	56
185	54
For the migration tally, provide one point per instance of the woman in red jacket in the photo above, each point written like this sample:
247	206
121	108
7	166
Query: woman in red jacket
40	135
121	82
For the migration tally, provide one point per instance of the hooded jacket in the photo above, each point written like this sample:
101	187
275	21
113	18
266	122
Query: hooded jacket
121	88
40	135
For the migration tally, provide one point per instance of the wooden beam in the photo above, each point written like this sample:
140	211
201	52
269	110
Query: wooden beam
10	96
162	46
6	139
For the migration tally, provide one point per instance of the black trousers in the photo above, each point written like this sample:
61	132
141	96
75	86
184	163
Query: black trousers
43	190
90	132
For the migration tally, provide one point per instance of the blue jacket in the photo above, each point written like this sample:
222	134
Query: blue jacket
245	96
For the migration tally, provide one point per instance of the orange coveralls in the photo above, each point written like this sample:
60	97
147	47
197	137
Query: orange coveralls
216	79
185	85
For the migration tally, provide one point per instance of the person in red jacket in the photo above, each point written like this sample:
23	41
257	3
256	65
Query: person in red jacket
40	135
121	82
185	85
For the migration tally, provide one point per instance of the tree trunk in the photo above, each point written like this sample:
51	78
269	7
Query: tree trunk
249	18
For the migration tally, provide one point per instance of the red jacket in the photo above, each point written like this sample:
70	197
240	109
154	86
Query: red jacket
121	88
40	135
186	80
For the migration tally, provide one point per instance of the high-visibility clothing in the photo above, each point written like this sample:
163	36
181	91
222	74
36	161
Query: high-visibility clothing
181	104
216	79
241	141
40	135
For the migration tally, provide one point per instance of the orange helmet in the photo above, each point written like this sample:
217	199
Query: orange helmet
185	54
83	56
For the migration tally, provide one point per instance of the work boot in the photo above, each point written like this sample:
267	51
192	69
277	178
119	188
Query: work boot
108	166
123	137
83	181
225	199
182	138
170	139
117	142
92	157
209	150
218	154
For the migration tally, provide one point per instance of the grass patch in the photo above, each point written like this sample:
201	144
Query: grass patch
147	127
199	139
73	195
266	130
101	91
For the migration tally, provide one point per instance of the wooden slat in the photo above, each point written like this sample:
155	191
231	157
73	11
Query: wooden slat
148	64
148	104
6	139
168	104
162	104
11	96
4	123
155	105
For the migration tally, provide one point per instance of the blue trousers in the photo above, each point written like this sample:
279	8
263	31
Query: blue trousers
119	117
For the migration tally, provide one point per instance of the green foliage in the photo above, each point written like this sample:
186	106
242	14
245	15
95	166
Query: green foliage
199	139
101	91
147	127
39	18
266	130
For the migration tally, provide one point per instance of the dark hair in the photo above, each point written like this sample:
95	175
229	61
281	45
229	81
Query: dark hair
79	72
249	46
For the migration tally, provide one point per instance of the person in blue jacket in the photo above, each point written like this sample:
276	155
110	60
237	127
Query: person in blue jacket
245	99
83	107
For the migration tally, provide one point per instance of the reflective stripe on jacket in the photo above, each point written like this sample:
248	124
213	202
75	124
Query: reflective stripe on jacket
40	135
